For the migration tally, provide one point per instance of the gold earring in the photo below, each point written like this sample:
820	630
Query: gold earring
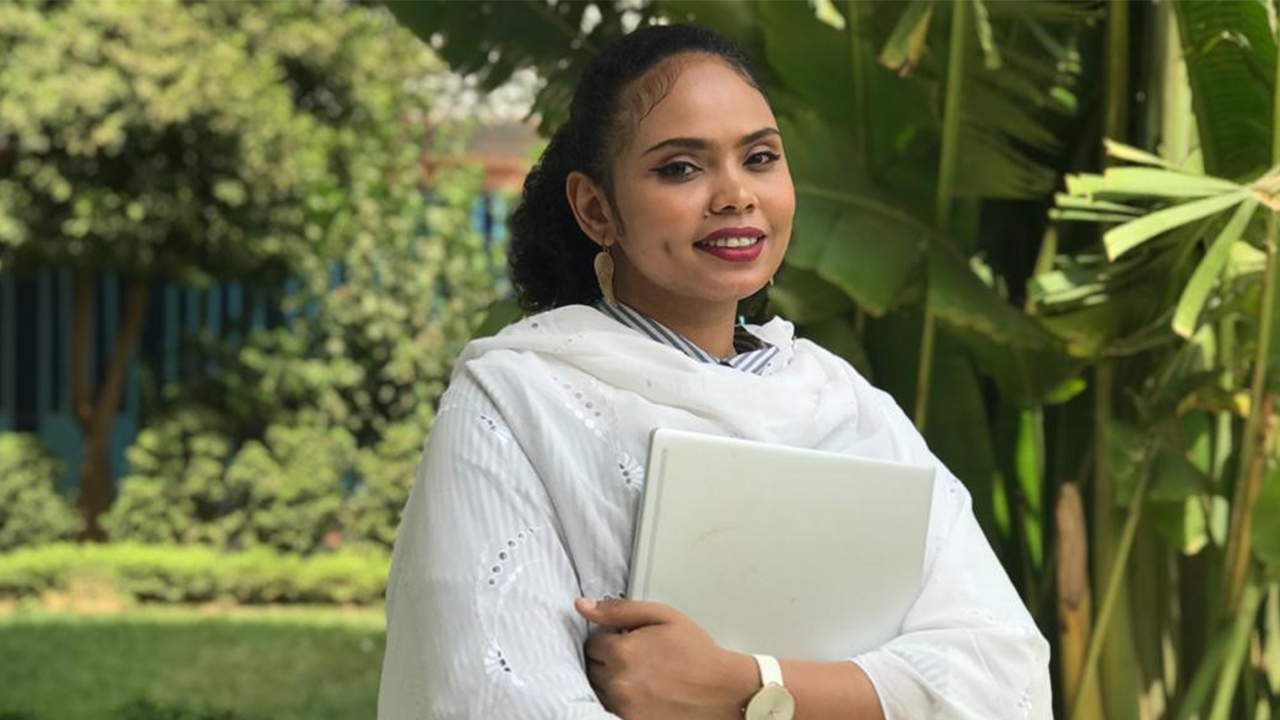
604	274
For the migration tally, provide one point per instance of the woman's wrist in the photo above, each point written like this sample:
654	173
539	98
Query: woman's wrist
741	680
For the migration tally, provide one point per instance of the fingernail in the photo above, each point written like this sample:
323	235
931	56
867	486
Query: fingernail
588	604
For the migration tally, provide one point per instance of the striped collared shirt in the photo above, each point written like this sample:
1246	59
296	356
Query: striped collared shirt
751	353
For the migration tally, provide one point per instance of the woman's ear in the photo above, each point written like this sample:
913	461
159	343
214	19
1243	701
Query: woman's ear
590	208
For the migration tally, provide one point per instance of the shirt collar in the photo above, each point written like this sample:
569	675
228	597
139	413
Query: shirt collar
751	353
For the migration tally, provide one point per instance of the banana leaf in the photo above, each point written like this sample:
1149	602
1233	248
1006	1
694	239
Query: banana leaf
839	335
1230	50
803	297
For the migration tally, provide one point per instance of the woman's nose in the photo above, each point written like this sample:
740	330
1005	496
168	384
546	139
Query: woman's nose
732	194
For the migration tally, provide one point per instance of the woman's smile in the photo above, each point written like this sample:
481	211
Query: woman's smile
734	244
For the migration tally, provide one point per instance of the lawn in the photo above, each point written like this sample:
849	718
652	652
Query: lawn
275	663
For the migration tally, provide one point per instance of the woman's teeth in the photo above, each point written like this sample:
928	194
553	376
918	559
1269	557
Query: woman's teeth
731	242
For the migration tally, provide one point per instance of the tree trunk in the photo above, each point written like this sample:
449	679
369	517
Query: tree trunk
96	411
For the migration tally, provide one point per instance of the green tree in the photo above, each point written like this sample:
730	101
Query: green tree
365	357
196	141
142	139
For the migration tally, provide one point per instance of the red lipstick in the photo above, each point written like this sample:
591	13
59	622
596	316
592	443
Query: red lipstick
738	252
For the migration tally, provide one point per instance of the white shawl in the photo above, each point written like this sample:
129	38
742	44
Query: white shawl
526	498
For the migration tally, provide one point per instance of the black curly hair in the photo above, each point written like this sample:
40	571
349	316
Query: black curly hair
550	257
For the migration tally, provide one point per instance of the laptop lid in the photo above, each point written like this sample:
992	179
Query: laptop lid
796	553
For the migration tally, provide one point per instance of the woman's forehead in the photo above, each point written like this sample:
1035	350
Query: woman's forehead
699	96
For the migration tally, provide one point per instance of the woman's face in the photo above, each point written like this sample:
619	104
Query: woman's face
704	194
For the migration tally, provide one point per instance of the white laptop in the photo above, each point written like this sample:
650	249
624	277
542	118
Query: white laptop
800	554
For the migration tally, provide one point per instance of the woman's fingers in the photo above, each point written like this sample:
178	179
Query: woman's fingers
607	647
596	650
627	614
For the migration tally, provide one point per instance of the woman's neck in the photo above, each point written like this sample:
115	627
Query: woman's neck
709	326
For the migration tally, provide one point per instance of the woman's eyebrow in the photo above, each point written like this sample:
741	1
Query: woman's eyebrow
691	143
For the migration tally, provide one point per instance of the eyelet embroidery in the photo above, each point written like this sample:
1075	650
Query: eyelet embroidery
496	426
498	560
495	664
631	471
498	571
579	402
1024	703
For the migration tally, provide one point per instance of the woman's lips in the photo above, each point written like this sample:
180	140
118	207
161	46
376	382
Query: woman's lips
734	254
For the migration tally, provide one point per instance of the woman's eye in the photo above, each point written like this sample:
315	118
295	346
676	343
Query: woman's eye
763	157
676	170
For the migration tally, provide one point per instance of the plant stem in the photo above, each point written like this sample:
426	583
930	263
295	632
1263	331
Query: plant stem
1248	476
925	368
1241	628
946	180
858	60
1115	117
1115	578
1198	689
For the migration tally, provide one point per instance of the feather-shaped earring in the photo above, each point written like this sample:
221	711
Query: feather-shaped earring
604	274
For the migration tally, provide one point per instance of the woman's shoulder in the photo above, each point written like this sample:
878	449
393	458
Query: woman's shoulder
539	332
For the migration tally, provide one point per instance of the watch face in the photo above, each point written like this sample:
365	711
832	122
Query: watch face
773	702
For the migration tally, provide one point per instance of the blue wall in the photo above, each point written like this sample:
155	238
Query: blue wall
35	337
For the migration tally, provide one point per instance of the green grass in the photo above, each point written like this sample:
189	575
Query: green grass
281	664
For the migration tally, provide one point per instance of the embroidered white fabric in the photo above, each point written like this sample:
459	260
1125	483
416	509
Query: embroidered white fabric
526	495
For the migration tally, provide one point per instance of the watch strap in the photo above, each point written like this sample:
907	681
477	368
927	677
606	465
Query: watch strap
770	670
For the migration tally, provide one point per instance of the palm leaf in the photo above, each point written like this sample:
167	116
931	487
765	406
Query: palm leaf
1121	151
1121	240
1147	182
986	36
904	47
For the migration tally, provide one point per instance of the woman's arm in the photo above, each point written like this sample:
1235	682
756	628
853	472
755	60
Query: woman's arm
968	649
666	668
829	690
480	620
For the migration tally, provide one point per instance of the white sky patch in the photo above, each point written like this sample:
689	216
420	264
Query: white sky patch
456	97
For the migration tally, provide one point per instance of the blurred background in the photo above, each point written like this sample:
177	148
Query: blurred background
241	244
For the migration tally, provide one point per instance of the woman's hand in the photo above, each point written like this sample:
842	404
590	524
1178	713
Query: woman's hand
649	661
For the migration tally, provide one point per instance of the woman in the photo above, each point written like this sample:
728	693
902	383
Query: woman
661	203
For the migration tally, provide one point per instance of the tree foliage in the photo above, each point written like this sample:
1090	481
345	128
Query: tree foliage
202	141
32	511
142	137
337	400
